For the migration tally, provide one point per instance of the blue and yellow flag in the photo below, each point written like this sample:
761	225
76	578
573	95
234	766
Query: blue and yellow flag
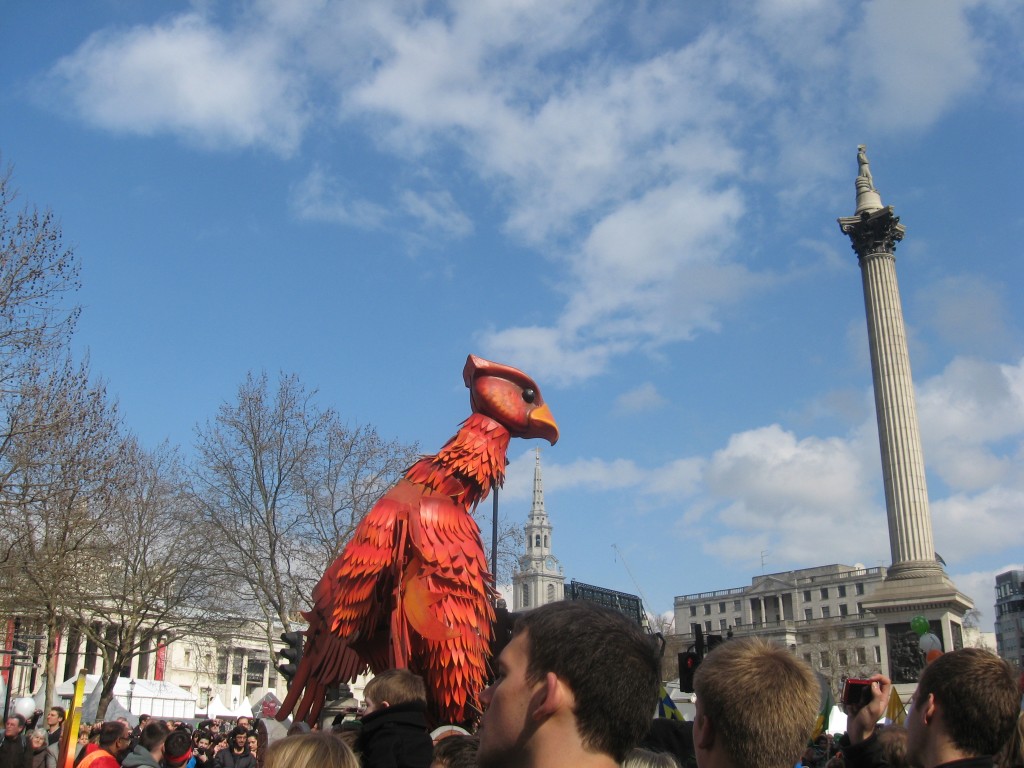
667	708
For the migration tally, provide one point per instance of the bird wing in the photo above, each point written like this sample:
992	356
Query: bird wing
410	590
448	601
349	602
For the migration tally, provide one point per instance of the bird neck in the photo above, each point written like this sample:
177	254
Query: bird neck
469	464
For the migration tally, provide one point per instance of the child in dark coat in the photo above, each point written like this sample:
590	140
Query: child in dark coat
394	732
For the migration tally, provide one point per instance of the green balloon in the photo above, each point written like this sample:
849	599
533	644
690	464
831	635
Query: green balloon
920	625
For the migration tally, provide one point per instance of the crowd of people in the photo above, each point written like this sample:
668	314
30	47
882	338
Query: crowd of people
576	686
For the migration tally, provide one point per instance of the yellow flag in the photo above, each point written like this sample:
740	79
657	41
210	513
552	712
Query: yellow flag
827	702
895	712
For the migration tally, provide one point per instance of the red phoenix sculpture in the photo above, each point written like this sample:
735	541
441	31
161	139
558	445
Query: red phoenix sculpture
412	588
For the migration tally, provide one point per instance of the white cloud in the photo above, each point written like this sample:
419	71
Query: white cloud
189	78
644	397
319	197
674	480
437	211
972	422
912	60
638	158
980	586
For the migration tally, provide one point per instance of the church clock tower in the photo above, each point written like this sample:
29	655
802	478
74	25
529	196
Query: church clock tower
539	578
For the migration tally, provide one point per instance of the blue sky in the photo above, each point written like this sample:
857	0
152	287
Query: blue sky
634	202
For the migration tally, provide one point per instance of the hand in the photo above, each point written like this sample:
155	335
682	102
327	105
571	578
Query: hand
861	719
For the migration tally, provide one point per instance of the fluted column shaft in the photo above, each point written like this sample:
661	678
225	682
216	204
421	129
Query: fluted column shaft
906	489
874	235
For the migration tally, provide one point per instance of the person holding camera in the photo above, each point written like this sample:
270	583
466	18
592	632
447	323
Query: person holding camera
965	709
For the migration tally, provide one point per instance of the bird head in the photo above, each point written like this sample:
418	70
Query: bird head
510	397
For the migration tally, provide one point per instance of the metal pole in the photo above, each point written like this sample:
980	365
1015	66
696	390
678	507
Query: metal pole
494	537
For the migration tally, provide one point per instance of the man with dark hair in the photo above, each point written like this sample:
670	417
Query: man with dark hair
577	685
15	750
55	724
150	750
965	707
115	742
756	705
236	754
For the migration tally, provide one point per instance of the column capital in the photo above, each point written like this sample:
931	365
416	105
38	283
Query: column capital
874	231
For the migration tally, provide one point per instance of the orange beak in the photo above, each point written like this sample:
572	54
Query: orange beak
542	424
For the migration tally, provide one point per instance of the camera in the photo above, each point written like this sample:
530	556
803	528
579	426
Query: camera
856	691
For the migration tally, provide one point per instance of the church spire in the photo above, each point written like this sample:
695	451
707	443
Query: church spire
539	578
537	509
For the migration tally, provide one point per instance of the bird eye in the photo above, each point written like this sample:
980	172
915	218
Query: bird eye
529	395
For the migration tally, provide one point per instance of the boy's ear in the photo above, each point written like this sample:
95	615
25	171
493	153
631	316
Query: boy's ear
703	732
550	697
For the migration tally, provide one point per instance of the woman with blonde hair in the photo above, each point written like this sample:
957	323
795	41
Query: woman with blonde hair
310	750
638	757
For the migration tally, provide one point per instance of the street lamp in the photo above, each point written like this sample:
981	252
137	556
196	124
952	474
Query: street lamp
131	693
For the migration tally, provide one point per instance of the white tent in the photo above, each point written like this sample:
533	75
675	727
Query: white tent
216	708
132	698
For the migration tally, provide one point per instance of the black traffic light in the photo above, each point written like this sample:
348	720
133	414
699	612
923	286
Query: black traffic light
688	663
293	653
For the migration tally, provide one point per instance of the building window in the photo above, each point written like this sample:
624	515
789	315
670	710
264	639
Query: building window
707	609
843	610
721	607
545	539
878	654
842	590
859	589
526	595
825	660
825	612
843	659
860	609
807	595
824	593
536	540
721	625
862	656
736	605
808	614
222	665
807	658
551	593
707	627
693	610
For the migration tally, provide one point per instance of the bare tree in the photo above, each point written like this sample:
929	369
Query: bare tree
148	584
281	484
60	480
37	276
837	653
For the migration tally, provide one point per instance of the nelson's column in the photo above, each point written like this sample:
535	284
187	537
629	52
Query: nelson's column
916	584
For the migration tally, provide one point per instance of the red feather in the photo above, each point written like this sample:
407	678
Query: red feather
412	588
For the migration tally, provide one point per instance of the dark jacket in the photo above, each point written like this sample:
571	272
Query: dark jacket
869	754
228	759
396	737
16	752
